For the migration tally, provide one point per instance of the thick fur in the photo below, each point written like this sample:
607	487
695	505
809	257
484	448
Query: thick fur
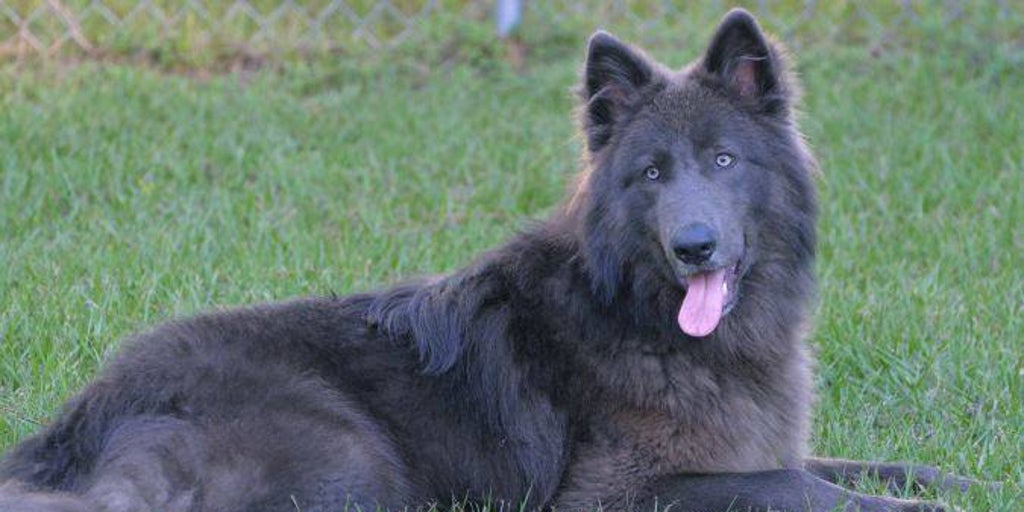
549	373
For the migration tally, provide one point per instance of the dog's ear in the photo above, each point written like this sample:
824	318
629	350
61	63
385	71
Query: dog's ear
748	65
613	76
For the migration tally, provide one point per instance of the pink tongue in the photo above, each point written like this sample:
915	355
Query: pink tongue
702	306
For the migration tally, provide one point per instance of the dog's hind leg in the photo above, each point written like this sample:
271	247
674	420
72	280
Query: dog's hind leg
299	458
896	476
149	463
173	465
789	490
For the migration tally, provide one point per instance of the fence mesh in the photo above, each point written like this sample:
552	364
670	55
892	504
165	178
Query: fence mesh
55	27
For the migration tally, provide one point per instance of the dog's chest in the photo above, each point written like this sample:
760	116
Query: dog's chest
656	417
727	432
736	414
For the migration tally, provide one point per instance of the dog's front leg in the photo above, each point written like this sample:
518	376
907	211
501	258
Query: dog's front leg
787	490
896	476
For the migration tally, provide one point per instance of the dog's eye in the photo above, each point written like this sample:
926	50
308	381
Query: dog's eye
652	173
724	160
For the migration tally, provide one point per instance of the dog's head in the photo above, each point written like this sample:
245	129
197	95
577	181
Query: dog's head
695	176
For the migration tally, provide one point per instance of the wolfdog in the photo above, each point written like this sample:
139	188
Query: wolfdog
642	347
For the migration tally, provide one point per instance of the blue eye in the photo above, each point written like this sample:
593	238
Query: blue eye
724	160
652	173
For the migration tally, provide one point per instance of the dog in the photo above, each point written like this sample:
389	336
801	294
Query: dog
642	347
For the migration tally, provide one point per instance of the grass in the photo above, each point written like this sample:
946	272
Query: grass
129	195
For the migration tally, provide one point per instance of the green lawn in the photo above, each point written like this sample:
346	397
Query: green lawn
129	195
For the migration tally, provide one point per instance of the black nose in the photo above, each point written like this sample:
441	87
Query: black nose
694	244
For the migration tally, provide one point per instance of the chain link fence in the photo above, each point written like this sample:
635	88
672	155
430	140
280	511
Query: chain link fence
58	27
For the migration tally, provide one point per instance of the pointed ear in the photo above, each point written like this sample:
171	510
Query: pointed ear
613	76
747	64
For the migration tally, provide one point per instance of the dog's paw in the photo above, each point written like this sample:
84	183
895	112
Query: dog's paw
930	477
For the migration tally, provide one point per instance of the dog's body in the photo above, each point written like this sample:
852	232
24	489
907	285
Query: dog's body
644	343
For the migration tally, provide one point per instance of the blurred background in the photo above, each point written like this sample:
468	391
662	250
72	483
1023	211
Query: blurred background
160	158
192	32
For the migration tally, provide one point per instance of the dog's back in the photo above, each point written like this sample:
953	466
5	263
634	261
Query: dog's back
308	403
